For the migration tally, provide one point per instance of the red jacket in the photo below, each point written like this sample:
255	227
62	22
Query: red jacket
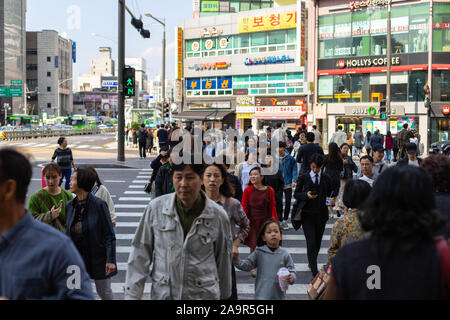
246	200
389	142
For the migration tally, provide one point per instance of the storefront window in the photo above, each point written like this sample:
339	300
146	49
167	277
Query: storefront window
258	77
440	129
418	28
441	27
325	89
377	87
234	6
259	39
240	78
291	35
277	77
342	88
241	41
360	87
245	6
417	80
441	86
326	29
294	76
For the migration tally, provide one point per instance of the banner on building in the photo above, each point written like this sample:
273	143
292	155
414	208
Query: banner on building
301	34
179	53
275	21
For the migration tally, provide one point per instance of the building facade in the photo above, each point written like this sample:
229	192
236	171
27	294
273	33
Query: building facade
244	68
12	53
206	8
350	58
49	73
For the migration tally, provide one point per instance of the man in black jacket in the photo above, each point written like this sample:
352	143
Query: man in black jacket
276	181
411	156
306	152
142	140
163	181
311	193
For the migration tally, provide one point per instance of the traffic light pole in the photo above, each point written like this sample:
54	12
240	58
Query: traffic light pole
121	93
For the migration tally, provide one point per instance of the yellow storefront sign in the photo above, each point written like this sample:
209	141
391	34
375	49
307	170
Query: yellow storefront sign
244	115
274	21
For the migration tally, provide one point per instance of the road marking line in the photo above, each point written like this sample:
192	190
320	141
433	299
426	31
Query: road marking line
143	177
115	181
130	206
135	192
138	186
129	214
139	181
83	146
135	199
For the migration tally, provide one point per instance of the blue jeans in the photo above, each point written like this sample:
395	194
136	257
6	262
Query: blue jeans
388	154
66	173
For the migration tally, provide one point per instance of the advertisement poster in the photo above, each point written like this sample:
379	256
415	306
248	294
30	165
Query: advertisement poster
393	125
368	126
352	127
379	125
402	121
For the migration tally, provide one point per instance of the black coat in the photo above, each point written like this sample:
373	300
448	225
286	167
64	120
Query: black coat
404	161
276	181
349	167
99	240
236	185
163	181
313	209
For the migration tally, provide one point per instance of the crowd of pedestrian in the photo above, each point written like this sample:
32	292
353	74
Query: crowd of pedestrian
202	213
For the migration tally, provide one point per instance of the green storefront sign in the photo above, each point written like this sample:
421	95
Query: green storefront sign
15	82
210	6
4	92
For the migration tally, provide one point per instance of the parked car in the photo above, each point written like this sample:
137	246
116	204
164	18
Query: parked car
440	147
102	126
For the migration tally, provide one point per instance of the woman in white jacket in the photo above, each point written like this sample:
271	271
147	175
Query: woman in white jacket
99	190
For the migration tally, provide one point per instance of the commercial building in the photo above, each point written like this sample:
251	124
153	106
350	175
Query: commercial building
243	68
350	50
49	73
104	65
206	8
12	57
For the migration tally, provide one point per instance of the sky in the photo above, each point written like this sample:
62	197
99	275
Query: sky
79	19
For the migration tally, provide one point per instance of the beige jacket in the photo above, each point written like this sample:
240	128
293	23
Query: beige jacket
198	268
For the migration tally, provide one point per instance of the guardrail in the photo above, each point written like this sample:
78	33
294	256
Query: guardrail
34	134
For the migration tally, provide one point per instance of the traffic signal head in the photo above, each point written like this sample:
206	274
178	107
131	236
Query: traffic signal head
382	106
383	115
137	23
145	33
129	82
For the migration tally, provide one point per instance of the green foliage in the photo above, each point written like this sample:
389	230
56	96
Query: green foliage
136	126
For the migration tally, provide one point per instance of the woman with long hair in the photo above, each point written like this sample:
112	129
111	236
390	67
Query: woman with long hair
367	143
258	203
219	189
334	165
100	191
399	260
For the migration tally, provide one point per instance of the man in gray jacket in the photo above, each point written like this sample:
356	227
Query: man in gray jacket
358	140
187	238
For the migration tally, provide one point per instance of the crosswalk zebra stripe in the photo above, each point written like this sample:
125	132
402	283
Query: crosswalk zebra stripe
290	237
139	181
135	224
83	146
129	214
135	199
135	192
242	288
242	250
130	206
143	177
137	186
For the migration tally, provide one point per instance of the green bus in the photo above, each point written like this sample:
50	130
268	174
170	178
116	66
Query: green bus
79	122
23	120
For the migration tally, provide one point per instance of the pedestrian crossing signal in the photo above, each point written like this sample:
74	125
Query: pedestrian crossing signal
383	116
129	81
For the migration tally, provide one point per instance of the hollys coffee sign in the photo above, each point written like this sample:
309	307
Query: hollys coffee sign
358	5
366	62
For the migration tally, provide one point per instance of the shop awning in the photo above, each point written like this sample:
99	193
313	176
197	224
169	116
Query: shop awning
277	115
202	115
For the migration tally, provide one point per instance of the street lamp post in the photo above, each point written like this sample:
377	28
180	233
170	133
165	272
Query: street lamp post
163	78
388	70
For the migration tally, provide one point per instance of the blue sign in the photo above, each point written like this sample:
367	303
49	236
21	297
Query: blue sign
193	84
148	97
209	84
268	60
110	83
74	52
225	83
56	62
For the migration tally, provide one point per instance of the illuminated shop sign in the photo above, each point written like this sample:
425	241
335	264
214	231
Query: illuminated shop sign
356	5
284	20
269	60
279	101
211	66
366	62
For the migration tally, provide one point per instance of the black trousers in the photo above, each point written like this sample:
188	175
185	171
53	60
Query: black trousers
279	204
234	295
287	204
313	227
142	147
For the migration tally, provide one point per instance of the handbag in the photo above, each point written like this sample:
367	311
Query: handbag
148	187
444	260
316	288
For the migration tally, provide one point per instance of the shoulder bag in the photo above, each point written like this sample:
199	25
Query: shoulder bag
316	288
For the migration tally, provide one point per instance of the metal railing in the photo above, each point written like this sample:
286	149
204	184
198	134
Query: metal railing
35	134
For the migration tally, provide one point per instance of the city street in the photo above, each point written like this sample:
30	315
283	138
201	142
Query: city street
126	185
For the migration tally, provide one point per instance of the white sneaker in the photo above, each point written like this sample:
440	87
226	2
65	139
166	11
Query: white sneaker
284	225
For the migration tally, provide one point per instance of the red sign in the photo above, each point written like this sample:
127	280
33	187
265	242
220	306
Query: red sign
446	110
441	25
341	64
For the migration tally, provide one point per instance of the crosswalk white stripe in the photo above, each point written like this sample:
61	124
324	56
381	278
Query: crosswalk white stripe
135	192
97	147
130	206
135	206
83	146
129	214
242	288
137	186
130	236
135	199
242	250
147	169
143	177
139	181
43	145
115	181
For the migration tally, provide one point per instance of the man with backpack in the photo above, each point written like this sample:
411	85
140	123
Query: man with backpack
142	136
